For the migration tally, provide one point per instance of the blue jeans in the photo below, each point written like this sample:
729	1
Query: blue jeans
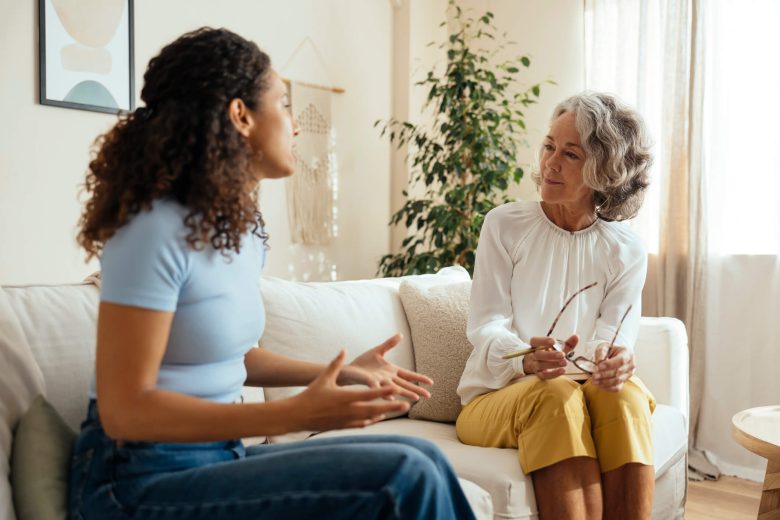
347	477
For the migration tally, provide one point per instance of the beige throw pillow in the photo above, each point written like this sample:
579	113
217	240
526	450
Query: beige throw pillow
437	315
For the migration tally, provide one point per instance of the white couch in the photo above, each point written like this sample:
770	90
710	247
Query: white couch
47	345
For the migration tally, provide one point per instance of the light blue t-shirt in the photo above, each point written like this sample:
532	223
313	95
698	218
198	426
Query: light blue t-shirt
218	309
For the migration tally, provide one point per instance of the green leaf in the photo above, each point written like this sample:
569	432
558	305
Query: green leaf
525	61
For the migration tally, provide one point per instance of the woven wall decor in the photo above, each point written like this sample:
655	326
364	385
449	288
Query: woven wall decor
310	190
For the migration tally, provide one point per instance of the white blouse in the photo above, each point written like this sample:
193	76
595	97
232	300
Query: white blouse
526	268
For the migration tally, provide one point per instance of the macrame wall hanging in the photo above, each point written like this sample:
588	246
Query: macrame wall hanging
312	190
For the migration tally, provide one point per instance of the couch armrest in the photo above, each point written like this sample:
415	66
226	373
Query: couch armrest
662	360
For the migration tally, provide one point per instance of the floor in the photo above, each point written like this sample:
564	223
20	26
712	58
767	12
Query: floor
729	498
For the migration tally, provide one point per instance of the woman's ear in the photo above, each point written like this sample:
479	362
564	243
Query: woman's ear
240	116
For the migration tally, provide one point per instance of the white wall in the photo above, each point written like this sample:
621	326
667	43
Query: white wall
416	24
372	48
44	150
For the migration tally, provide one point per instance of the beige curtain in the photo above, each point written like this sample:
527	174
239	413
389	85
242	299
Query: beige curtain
680	288
649	53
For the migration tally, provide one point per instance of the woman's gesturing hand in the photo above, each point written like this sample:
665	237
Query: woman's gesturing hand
615	366
373	370
548	363
325	405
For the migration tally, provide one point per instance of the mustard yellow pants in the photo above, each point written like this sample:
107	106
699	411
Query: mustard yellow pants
552	420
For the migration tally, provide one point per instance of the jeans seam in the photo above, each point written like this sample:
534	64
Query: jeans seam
393	503
86	461
112	481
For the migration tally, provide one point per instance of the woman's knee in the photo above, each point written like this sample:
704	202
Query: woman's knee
430	451
415	465
556	394
630	400
425	446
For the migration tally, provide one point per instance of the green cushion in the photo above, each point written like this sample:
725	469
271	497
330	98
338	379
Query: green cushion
40	462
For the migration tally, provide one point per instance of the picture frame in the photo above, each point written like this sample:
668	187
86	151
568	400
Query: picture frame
86	55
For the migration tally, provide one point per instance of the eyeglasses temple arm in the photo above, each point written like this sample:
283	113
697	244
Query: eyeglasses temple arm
611	343
552	327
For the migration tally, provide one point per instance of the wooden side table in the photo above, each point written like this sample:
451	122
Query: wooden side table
758	429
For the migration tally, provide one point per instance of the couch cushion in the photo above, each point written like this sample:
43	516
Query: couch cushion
21	381
437	311
59	323
40	464
498	470
313	321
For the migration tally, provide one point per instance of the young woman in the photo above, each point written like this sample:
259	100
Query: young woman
173	216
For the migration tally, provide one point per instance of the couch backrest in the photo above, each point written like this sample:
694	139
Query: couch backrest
20	381
59	323
305	320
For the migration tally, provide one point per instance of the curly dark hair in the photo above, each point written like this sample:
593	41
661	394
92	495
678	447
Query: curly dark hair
182	145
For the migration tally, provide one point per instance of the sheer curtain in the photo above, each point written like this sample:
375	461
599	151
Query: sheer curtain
698	72
741	149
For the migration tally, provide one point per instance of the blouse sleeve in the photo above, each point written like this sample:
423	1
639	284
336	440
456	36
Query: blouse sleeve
490	328
624	289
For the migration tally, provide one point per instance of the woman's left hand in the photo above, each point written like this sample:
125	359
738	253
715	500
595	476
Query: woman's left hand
373	370
615	367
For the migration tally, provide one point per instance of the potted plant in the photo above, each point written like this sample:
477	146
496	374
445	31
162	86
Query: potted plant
465	157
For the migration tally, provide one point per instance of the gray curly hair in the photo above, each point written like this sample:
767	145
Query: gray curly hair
617	152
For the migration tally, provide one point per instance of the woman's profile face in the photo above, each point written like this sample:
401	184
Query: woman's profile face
561	164
271	137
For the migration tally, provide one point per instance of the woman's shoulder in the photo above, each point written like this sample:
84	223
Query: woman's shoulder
162	224
515	212
625	244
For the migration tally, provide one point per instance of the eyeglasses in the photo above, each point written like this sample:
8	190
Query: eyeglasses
587	365
558	343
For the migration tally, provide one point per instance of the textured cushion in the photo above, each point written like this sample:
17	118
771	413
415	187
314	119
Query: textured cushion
437	311
39	466
59	323
21	381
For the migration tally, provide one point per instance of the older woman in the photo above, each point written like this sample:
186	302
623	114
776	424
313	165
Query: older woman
586	437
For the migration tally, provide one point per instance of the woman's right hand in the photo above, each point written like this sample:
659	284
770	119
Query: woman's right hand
325	405
548	363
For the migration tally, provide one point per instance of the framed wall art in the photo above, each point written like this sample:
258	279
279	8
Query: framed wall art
86	54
